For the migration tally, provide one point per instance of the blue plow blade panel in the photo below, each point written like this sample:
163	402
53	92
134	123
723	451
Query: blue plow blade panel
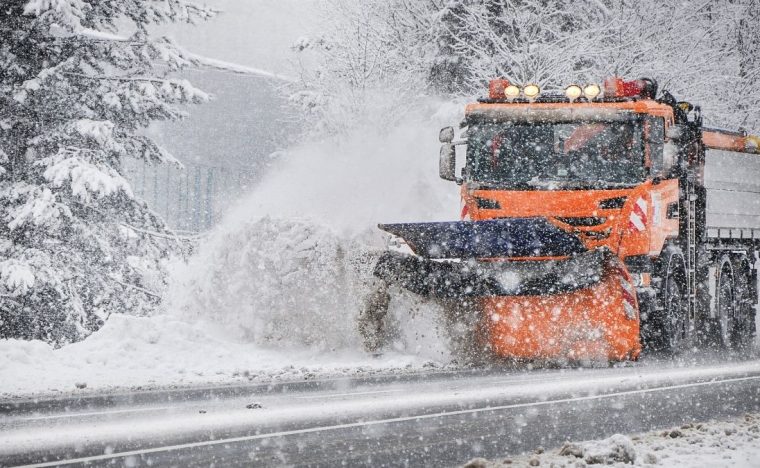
513	237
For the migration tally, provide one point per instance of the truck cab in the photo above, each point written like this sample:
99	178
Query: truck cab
596	169
623	172
590	225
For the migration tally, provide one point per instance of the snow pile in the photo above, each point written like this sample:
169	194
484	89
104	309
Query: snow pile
280	282
145	352
615	449
732	443
88	181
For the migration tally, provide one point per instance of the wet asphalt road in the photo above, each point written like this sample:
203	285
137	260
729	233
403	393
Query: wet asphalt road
431	419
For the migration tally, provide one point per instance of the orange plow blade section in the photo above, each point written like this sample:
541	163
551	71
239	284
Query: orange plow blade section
596	323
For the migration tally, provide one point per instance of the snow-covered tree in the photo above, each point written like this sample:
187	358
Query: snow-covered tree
548	42
367	64
706	52
79	80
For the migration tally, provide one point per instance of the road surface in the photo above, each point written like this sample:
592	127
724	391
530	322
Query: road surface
431	419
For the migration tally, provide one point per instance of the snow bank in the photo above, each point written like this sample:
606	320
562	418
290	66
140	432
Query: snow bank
730	443
134	352
615	449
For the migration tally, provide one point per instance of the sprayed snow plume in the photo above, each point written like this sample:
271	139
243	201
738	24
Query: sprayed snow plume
292	263
282	282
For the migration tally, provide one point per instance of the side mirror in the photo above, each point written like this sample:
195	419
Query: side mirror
446	135
669	156
675	132
447	162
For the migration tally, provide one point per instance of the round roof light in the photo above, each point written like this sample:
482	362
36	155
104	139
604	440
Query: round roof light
531	91
573	92
512	92
592	91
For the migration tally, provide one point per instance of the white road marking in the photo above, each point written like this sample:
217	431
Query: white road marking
94	413
230	440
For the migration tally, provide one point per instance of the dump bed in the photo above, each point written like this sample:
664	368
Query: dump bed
732	181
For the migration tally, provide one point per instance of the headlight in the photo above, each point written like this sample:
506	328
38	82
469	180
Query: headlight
573	92
531	91
592	91
511	92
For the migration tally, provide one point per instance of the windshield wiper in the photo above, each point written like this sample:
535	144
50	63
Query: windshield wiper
502	186
579	184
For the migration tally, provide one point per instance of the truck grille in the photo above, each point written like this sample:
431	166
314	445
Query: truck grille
583	221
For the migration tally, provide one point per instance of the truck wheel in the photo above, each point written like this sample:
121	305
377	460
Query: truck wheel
463	324
744	325
670	325
725	304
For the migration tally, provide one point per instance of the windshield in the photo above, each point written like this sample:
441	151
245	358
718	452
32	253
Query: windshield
554	155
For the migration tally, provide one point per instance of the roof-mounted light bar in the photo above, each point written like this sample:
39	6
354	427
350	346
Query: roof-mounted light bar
614	88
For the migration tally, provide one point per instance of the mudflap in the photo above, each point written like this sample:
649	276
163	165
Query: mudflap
578	308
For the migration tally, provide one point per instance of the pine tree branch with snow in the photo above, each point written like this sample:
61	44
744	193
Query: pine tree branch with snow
75	95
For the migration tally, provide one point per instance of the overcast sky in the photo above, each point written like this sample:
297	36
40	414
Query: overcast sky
248	117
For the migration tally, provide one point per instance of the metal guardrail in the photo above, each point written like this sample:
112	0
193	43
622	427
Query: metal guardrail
190	198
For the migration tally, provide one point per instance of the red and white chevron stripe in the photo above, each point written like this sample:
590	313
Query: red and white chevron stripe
628	291
638	219
629	299
465	213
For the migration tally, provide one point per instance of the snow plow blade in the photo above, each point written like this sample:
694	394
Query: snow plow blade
451	279
496	238
579	305
598	323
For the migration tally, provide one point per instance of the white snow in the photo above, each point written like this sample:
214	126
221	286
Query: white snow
17	277
70	11
615	449
143	352
99	130
291	263
734	442
39	208
235	68
86	179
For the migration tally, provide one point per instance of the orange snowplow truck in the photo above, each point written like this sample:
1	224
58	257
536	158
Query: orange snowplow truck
594	221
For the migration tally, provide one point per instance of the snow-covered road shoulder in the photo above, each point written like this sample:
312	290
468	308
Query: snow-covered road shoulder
731	443
154	352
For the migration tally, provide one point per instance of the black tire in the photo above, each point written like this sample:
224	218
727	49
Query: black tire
463	322
743	333
668	324
725	304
